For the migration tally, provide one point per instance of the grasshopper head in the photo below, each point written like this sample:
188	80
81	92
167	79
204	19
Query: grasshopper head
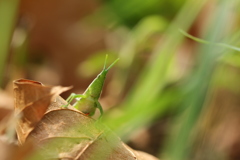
105	70
95	88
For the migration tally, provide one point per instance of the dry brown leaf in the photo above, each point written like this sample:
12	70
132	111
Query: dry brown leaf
31	102
64	133
70	134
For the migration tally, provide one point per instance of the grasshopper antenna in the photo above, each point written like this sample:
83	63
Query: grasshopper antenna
112	64
105	63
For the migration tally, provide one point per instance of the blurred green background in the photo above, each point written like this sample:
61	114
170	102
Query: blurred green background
168	95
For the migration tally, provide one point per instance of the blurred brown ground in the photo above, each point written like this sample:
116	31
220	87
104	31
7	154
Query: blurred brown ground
58	36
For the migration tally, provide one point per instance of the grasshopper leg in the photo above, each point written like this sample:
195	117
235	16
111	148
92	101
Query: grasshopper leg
100	109
71	97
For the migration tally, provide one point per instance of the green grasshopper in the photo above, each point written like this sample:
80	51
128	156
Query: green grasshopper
88	101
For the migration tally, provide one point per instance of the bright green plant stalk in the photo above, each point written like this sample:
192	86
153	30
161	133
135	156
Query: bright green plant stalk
143	100
224	45
164	54
8	11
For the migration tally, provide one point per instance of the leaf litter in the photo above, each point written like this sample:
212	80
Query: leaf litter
46	130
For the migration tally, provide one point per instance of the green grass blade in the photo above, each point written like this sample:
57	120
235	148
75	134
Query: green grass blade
197	86
208	42
8	11
148	88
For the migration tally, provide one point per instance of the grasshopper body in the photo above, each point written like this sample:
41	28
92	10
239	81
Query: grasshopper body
88	101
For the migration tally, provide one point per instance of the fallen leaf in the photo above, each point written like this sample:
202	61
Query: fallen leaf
64	133
31	101
70	134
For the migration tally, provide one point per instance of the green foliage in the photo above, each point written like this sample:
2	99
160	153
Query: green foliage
130	12
8	10
160	85
151	97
